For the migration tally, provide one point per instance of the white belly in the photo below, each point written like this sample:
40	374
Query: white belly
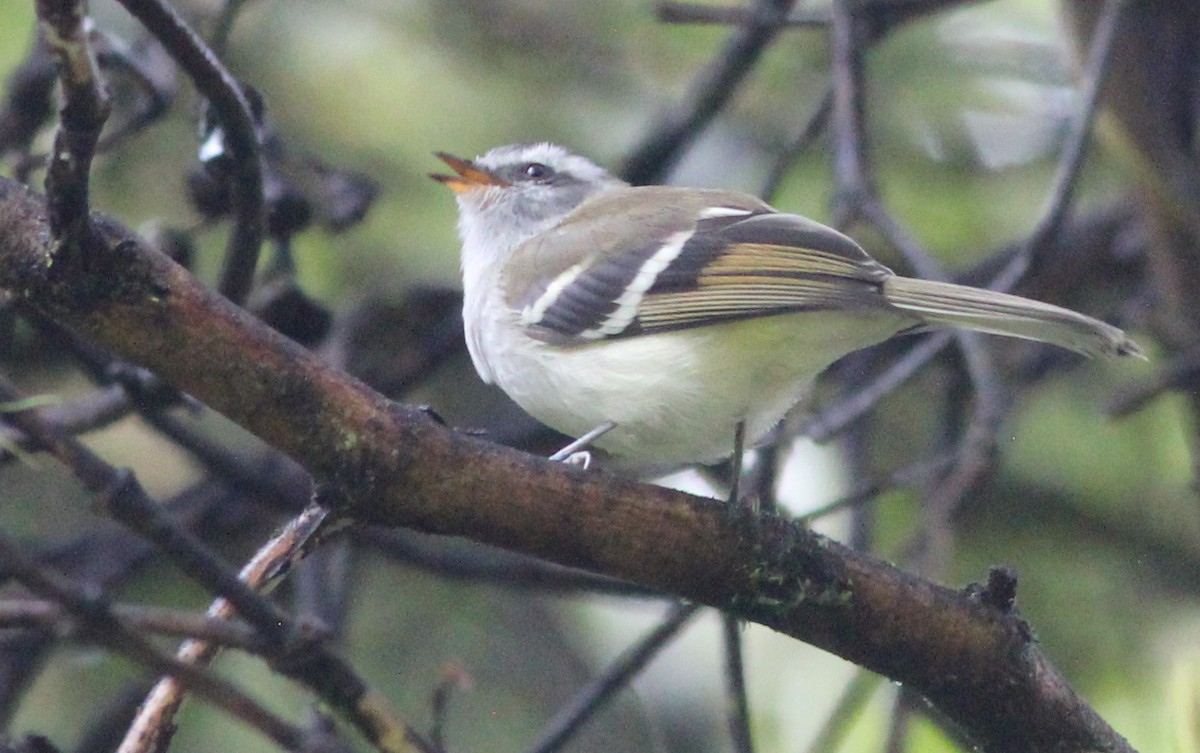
677	397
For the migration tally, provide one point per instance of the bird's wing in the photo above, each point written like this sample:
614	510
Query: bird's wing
685	259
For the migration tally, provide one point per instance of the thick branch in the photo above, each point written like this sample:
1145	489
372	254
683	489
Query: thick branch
975	661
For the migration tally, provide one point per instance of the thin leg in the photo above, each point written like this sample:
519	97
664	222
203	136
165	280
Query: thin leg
735	463
574	451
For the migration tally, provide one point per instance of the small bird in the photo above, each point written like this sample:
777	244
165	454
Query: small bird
683	316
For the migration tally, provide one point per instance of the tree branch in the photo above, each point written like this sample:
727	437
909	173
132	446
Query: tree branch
61	24
225	94
397	466
713	87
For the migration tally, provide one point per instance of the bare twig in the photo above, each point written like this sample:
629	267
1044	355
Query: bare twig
1066	176
85	108
854	181
1181	373
588	701
850	705
977	441
454	677
225	94
833	420
150	70
900	724
123	497
450	559
155	717
296	649
27	104
737	701
1048	227
224	26
304	659
27	613
98	624
710	91
917	472
97	409
884	13
808	133
692	13
857	197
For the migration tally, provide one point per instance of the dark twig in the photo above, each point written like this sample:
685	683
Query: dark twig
149	69
104	558
98	624
900	724
856	197
26	613
123	497
854	180
108	718
27	104
224	26
588	701
854	698
155	717
99	408
85	108
296	649
268	475
1180	373
979	437
860	533
305	658
1066	176
808	133
884	13
321	585
833	420
911	474
692	13
1049	227
737	701
232	108
453	559
974	455
710	91
454	677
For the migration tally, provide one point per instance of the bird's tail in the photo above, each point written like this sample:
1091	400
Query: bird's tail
947	304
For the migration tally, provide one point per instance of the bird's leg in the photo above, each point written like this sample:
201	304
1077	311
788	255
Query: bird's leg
736	501
576	453
735	463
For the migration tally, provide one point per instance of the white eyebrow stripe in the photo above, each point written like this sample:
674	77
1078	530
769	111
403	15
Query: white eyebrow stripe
712	213
533	313
630	299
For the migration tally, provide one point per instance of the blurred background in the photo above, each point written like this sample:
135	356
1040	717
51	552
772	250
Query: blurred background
967	109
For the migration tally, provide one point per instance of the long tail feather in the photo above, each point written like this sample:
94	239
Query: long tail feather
943	303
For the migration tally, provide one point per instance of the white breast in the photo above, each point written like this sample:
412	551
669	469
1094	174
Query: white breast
676	397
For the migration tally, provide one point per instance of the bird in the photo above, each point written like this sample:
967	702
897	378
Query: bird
681	319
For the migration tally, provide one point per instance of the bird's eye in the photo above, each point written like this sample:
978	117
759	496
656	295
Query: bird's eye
536	171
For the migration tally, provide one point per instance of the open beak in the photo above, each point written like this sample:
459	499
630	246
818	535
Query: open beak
469	176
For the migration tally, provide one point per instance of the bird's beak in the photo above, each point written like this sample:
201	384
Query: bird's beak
469	176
